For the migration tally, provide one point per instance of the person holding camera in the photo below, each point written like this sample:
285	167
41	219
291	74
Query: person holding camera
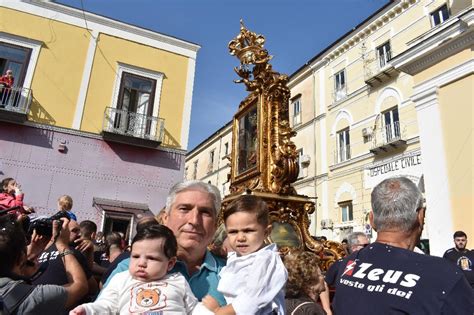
18	263
55	269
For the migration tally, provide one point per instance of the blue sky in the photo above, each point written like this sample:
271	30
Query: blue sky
295	31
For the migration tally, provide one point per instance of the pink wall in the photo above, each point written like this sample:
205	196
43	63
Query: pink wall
90	168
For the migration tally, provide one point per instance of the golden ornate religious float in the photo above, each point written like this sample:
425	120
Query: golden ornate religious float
264	159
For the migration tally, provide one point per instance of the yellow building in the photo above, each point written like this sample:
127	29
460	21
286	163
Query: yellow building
99	109
354	106
358	106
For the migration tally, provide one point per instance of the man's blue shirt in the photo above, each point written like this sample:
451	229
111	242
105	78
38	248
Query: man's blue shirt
202	282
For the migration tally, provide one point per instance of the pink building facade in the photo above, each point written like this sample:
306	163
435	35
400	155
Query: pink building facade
112	184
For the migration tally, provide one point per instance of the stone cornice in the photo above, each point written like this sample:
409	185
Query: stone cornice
104	25
374	25
352	39
437	44
220	133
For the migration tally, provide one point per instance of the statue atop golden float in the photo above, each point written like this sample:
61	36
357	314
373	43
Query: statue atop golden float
264	160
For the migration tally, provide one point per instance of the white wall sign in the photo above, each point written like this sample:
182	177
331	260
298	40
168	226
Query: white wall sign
404	165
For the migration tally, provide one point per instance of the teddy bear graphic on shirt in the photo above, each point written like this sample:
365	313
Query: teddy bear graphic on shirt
147	297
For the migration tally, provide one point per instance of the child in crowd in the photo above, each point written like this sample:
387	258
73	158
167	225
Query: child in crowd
12	196
65	205
254	278
146	287
305	283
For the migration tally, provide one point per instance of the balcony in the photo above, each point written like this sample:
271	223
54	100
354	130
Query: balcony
15	103
378	69
388	138
342	154
132	128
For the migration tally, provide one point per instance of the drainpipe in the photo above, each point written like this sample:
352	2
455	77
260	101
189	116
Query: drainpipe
313	75
219	161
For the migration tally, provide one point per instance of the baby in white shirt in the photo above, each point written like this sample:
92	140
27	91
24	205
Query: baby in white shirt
146	287
254	278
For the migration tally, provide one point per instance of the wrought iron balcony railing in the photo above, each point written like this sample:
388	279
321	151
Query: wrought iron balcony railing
388	136
15	99
123	122
377	67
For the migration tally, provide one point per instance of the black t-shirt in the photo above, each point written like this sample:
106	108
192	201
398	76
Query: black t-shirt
100	258
382	279
464	260
113	265
55	272
331	274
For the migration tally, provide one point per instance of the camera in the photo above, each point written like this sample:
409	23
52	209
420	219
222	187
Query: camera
44	226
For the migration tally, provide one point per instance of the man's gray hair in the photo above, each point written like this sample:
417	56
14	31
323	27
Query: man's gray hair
353	239
194	185
395	203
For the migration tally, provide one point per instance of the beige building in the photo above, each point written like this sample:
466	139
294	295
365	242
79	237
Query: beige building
374	105
210	160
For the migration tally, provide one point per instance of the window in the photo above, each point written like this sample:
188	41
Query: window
346	211
440	15
343	145
210	166
340	85
226	148
14	58
391	124
384	54
296	111
135	104
115	223
195	169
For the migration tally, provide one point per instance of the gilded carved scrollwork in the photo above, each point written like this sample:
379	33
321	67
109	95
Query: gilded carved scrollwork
264	159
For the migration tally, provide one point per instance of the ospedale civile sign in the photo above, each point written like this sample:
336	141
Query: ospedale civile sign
408	165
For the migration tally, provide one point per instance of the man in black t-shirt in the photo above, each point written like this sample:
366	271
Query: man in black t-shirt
461	256
387	277
55	272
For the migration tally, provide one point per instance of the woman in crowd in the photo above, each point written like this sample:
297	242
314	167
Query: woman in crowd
304	284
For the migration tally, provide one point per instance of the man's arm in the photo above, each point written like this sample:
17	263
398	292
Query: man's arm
106	303
325	300
76	287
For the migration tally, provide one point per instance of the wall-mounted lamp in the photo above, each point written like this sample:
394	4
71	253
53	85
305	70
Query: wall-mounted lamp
62	147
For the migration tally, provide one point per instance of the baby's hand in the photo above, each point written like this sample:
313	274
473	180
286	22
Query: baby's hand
79	310
210	302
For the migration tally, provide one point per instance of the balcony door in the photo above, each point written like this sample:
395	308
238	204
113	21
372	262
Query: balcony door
15	58
391	124
135	104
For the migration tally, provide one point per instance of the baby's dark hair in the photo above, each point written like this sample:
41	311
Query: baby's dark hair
251	204
156	232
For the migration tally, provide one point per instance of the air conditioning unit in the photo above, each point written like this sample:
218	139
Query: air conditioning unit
366	132
326	223
305	159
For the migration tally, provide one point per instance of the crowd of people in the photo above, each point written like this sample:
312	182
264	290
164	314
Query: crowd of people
61	265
